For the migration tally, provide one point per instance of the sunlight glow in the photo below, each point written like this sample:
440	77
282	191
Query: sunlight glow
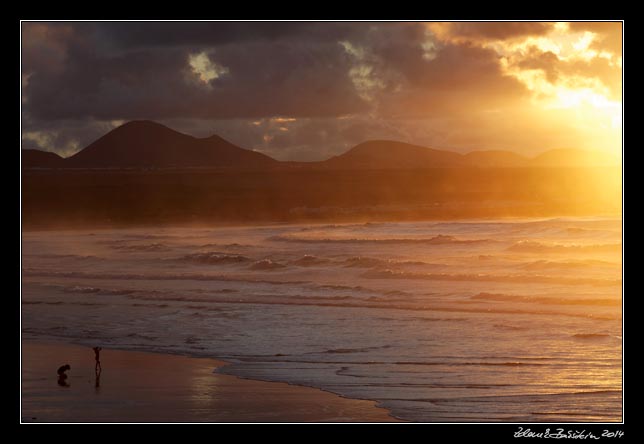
564	70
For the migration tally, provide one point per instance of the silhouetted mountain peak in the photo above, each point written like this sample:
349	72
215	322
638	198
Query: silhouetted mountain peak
387	154
385	147
143	143
140	124
215	138
147	128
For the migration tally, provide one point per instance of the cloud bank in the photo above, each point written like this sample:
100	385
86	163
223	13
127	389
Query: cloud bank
309	90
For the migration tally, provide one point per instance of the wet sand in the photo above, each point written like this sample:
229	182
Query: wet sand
151	387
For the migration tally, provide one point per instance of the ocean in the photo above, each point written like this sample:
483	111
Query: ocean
472	321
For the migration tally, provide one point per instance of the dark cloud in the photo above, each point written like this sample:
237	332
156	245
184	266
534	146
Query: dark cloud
262	78
546	61
463	68
460	79
496	30
44	47
137	35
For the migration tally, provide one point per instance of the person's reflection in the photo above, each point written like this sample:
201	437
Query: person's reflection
97	384
62	376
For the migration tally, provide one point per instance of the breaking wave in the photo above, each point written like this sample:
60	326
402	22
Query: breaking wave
309	261
153	277
372	262
548	300
352	350
548	265
82	290
440	239
528	246
63	256
145	247
520	278
345	302
212	258
266	264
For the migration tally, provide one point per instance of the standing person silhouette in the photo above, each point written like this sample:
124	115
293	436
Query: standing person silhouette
97	352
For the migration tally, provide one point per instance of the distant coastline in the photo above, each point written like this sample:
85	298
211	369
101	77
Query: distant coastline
144	144
121	198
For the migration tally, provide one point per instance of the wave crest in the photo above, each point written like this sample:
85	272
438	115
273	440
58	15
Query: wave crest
440	239
528	246
309	260
518	278
547	265
266	264
547	300
143	247
213	258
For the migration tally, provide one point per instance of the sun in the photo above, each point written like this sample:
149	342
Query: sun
607	113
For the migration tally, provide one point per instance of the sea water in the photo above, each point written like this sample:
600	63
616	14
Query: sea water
509	320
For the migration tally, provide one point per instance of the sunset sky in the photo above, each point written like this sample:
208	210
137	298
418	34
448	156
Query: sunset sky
311	90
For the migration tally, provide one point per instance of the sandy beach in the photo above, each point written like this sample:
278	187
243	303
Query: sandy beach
150	387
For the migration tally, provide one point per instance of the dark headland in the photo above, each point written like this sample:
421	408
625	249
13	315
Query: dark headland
145	173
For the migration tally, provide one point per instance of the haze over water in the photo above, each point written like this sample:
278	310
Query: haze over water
509	320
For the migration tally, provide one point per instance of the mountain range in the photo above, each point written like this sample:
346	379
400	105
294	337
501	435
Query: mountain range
147	144
139	144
